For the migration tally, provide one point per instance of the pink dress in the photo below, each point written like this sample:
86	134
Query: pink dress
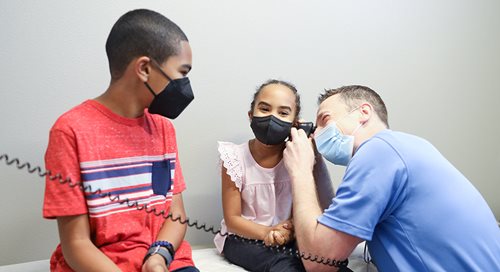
266	193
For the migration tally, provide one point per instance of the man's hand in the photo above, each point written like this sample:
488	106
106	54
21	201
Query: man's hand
155	263
299	153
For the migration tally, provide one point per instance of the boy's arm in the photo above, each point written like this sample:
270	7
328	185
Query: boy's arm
78	250
174	231
171	231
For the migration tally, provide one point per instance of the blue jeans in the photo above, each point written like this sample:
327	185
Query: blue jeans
256	257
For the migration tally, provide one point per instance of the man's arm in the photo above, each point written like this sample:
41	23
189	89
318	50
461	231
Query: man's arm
78	250
312	237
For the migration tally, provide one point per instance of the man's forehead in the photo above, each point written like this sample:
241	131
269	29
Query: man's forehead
332	104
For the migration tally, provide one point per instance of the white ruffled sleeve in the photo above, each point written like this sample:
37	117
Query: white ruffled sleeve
231	160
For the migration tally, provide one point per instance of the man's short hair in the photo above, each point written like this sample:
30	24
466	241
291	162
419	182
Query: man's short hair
354	95
141	32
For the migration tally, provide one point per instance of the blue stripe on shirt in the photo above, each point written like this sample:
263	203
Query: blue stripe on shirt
116	173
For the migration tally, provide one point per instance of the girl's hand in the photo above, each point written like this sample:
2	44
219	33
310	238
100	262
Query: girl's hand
281	237
278	237
269	239
280	234
287	224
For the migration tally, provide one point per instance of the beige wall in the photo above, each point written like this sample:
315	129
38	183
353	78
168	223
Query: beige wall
436	64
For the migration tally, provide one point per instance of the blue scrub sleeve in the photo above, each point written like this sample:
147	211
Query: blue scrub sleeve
372	187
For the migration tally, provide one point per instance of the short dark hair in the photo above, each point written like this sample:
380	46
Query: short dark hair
141	32
353	95
283	83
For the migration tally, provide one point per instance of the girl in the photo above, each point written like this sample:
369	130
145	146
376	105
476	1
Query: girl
256	188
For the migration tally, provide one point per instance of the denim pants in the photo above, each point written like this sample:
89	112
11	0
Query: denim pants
254	256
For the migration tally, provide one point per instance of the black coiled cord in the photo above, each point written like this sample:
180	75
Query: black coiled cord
135	204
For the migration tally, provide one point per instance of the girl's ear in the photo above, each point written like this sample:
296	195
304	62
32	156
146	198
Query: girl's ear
250	115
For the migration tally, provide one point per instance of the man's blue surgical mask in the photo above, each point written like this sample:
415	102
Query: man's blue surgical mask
335	146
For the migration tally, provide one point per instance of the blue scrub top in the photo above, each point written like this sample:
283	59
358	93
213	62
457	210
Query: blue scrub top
418	212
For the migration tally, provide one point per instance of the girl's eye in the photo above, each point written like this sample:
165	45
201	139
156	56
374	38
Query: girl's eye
284	113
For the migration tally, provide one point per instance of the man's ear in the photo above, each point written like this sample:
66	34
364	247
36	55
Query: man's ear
142	68
366	110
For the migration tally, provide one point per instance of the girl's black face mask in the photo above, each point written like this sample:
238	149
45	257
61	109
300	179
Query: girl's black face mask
173	99
270	130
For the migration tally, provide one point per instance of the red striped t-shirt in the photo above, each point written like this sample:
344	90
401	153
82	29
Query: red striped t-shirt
135	159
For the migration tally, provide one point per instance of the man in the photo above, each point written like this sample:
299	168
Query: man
122	144
415	209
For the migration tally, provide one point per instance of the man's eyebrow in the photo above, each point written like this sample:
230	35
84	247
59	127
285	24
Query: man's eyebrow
321	114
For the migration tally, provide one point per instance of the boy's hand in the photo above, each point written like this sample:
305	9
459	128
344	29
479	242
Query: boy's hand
155	263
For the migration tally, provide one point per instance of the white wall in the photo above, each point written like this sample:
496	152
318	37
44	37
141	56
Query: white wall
436	64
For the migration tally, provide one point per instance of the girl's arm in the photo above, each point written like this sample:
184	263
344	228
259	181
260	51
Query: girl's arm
231	205
324	186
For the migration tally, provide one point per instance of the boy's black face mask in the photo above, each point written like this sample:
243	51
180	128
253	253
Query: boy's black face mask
173	99
270	130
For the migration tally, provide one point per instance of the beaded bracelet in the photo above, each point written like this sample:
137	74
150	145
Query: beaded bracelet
156	248
166	245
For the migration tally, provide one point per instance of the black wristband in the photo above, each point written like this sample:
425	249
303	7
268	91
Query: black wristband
166	245
160	251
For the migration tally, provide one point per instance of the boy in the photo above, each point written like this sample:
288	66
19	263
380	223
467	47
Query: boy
119	143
